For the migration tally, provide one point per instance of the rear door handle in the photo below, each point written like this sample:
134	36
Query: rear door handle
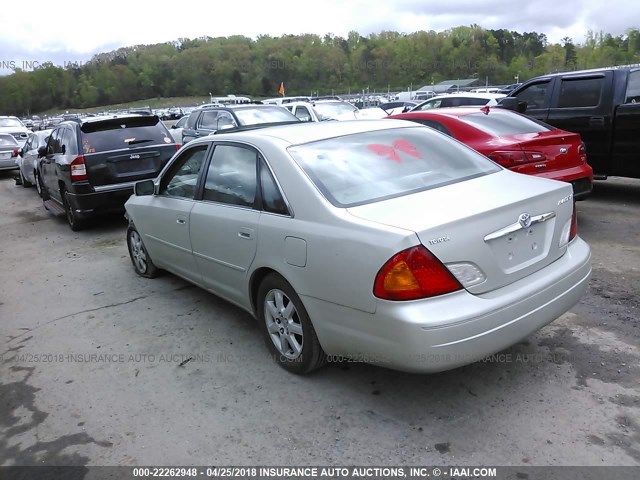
596	121
246	233
181	220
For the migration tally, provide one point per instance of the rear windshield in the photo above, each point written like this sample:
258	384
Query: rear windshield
118	133
7	141
256	116
501	123
368	167
10	122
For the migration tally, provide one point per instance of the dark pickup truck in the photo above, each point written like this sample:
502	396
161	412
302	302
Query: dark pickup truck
602	105
89	166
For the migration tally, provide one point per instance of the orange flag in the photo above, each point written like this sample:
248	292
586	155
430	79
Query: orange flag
281	89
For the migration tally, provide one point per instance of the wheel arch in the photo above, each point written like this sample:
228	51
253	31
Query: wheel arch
258	275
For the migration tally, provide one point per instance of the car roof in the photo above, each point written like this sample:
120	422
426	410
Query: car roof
306	132
461	111
104	118
488	96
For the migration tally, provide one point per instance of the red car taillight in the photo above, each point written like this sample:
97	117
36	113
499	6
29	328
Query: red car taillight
582	152
513	158
15	153
414	273
78	169
178	145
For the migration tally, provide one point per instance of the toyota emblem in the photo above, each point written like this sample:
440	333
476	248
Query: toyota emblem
525	220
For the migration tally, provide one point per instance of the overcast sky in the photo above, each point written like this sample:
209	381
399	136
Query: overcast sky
64	31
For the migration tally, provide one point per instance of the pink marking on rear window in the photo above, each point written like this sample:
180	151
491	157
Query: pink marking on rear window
391	151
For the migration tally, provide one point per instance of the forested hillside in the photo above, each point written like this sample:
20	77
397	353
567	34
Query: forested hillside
304	63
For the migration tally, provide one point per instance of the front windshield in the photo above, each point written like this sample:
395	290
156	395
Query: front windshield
256	116
10	122
333	109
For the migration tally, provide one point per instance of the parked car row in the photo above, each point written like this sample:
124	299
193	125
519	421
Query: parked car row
319	229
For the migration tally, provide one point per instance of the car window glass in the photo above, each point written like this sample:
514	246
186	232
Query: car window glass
633	88
66	142
272	200
534	95
429	105
182	179
193	118
303	114
208	120
123	133
29	145
368	167
182	122
52	146
584	92
224	119
231	177
431	123
499	123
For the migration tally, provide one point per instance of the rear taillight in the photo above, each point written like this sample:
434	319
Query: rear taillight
570	229
414	273
178	145
513	158
78	169
582	152
574	223
15	153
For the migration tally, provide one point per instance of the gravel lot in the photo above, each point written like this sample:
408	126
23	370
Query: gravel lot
93	367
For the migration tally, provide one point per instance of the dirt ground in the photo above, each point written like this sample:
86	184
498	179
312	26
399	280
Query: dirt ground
95	369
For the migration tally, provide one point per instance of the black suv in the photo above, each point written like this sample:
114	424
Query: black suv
206	120
89	166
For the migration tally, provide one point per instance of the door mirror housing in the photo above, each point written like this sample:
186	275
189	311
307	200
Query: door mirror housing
144	188
42	151
512	103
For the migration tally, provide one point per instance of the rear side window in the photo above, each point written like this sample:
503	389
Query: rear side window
121	133
193	118
583	92
633	88
231	178
373	166
499	123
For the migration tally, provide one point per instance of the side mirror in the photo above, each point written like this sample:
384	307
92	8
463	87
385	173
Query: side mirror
144	187
173	126
42	151
405	109
512	103
21	152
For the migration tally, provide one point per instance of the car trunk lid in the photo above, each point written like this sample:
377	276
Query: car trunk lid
557	149
508	232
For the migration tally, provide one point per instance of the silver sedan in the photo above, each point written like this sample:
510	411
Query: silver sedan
385	243
28	159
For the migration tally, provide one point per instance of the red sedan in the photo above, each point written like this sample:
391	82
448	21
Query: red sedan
515	141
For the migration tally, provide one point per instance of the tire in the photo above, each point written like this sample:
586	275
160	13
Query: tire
142	263
287	328
25	183
72	218
40	187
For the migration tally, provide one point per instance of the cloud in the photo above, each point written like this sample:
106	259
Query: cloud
74	31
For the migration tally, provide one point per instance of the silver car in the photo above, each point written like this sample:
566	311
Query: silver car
27	161
383	242
9	149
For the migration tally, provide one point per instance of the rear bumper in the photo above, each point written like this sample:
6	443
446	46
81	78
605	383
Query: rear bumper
456	329
89	204
581	177
9	164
